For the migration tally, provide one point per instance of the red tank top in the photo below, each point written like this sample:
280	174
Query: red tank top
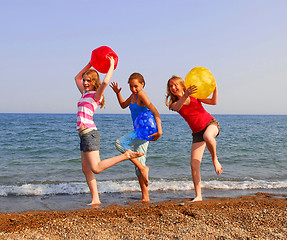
195	115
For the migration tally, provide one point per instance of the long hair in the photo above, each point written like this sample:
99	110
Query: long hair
170	98
95	80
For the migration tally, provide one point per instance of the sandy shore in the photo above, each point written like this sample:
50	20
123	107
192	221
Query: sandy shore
263	216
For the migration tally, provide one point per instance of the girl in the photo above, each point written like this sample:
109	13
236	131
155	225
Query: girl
204	127
137	102
88	83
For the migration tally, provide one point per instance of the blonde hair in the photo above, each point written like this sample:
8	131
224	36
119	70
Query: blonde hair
95	80
171	98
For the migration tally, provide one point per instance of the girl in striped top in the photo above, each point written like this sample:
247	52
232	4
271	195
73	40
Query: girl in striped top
91	88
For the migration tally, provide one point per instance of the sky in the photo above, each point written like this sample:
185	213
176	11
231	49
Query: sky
45	43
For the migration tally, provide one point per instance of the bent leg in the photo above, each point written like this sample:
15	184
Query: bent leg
209	137
91	164
197	150
97	166
144	189
141	168
131	141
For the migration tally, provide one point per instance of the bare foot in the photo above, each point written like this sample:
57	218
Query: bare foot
130	154
197	199
217	166
144	173
144	201
94	206
95	203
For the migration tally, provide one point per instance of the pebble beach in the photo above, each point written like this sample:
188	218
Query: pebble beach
261	216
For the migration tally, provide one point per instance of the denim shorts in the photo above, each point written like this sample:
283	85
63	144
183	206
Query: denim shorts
198	137
90	141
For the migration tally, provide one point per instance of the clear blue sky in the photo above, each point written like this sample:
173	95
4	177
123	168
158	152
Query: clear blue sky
44	44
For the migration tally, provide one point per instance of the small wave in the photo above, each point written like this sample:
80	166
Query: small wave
72	188
43	189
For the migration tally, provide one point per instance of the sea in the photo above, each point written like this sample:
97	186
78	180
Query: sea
40	163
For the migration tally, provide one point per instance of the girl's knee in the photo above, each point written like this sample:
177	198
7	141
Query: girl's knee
209	138
96	171
195	164
86	170
210	133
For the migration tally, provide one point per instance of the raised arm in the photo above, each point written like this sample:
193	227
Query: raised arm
105	83
123	103
79	77
213	100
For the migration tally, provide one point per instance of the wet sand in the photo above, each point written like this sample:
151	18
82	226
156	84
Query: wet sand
262	216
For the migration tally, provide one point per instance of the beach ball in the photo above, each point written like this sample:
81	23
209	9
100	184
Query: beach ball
100	60
203	79
145	125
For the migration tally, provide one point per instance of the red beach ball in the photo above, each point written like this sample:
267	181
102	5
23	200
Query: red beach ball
100	60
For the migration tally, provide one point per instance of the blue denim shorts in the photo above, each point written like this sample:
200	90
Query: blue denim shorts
90	141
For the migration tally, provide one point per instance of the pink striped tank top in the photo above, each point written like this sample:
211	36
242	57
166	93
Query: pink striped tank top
86	109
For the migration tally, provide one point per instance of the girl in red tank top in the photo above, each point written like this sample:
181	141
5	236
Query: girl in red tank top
204	127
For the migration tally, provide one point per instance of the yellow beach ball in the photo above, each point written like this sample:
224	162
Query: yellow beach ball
203	79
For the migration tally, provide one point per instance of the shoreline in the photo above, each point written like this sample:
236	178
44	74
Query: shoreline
262	216
61	202
80	201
